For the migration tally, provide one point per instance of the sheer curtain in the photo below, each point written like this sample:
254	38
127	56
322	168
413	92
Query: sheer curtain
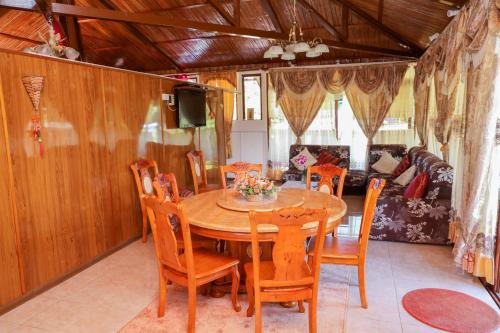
321	131
398	125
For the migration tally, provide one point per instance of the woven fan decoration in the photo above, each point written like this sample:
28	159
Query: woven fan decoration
34	86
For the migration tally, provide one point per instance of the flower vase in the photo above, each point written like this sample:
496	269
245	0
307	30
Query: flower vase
273	196
253	197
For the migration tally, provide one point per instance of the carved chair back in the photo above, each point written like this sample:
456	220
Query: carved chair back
166	189
240	170
328	173
196	160
166	245
144	172
372	194
291	269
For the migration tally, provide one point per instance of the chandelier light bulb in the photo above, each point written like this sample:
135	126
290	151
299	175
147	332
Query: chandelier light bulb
288	56
301	47
268	54
321	48
275	50
312	54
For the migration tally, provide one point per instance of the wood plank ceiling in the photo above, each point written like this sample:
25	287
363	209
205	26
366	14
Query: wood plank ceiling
397	26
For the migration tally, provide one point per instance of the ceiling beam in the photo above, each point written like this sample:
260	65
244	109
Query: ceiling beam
379	26
271	12
223	12
72	29
380	10
140	35
326	25
151	19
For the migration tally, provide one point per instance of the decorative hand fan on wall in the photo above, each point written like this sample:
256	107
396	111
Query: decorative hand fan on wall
34	86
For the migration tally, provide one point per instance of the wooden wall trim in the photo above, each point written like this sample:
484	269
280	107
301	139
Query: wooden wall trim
12	194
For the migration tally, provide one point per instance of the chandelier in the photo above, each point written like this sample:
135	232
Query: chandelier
287	50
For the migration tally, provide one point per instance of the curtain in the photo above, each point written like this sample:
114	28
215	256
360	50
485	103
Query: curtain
467	106
421	91
398	125
300	98
371	93
228	91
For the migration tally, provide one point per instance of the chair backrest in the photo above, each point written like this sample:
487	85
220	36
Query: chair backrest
165	186
196	160
144	172
289	251
167	251
372	194
327	173
239	169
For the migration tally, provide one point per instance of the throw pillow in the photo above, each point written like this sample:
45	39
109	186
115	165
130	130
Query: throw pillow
386	163
417	187
402	166
406	177
303	160
325	157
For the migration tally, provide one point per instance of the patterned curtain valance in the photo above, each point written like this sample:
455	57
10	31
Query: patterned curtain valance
209	76
368	78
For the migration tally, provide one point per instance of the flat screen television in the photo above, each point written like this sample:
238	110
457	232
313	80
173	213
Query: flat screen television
190	103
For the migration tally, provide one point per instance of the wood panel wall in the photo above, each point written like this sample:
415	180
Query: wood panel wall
78	202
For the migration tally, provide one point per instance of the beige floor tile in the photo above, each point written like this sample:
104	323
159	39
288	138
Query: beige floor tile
107	295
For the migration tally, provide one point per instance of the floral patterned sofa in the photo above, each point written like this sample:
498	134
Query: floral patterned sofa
355	181
424	220
375	151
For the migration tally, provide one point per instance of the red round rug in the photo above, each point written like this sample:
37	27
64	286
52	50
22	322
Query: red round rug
451	311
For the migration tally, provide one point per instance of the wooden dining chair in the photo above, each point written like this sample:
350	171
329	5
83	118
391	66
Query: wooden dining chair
144	172
349	250
192	268
165	185
287	277
196	160
327	174
239	169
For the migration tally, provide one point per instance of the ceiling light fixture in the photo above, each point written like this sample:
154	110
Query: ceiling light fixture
287	50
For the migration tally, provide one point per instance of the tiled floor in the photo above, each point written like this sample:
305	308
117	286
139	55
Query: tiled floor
104	297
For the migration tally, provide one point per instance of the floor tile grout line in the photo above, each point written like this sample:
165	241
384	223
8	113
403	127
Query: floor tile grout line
395	288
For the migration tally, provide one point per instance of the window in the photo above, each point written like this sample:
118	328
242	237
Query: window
252	97
322	131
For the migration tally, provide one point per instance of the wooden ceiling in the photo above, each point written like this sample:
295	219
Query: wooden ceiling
190	35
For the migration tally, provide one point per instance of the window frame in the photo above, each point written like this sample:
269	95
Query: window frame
243	109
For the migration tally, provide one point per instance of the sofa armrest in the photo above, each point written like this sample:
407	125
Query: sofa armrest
411	220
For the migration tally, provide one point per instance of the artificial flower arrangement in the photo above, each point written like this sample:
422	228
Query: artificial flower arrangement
257	188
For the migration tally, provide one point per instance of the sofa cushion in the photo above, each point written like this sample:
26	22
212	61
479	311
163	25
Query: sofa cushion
403	165
386	163
326	157
406	177
440	172
398	151
303	160
417	187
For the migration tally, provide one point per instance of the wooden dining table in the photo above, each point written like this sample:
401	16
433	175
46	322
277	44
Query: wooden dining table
223	215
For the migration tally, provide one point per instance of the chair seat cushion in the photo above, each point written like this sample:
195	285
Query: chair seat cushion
207	262
338	247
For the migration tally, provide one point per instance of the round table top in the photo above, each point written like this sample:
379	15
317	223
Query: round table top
208	219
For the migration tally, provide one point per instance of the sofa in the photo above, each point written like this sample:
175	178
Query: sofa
355	181
424	220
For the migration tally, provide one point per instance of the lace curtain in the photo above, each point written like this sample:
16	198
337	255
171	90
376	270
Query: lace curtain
464	107
398	125
228	107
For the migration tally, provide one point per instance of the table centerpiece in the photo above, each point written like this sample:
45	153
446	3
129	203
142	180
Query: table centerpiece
257	188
